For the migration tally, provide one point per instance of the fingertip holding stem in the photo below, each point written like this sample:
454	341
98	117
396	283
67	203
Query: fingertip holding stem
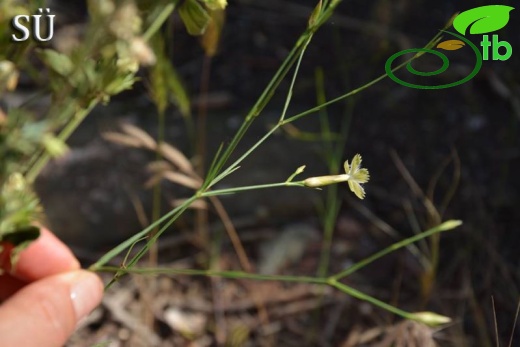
50	309
86	291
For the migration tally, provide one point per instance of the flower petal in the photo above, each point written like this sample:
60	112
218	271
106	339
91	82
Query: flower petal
356	163
362	176
357	189
346	166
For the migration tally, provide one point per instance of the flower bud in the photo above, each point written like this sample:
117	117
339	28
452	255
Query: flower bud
314	182
430	318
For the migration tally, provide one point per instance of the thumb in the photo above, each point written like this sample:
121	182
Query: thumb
46	312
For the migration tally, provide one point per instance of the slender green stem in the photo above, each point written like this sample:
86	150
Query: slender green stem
332	281
212	273
448	225
159	21
235	164
268	92
283	121
256	277
376	302
255	111
339	98
249	119
172	216
152	241
255	187
355	91
129	242
288	99
293	80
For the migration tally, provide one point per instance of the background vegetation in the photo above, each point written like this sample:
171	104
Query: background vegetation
126	98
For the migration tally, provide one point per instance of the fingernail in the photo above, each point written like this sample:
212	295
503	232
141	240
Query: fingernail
85	293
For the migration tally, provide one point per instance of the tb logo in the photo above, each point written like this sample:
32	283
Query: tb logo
476	21
495	44
36	19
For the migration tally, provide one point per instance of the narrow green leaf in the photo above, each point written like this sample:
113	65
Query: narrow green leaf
448	225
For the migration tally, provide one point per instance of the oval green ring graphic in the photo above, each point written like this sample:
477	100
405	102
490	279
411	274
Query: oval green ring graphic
411	69
476	69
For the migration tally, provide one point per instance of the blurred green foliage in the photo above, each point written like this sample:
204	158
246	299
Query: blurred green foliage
102	60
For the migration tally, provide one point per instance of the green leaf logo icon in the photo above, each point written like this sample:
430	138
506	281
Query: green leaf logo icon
482	20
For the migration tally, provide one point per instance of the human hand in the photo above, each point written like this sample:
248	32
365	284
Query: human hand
45	296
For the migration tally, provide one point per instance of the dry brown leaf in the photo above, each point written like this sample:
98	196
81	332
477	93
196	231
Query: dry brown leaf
176	158
181	179
141	135
159	166
122	139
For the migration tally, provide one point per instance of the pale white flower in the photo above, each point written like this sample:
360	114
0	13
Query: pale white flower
357	175
354	175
